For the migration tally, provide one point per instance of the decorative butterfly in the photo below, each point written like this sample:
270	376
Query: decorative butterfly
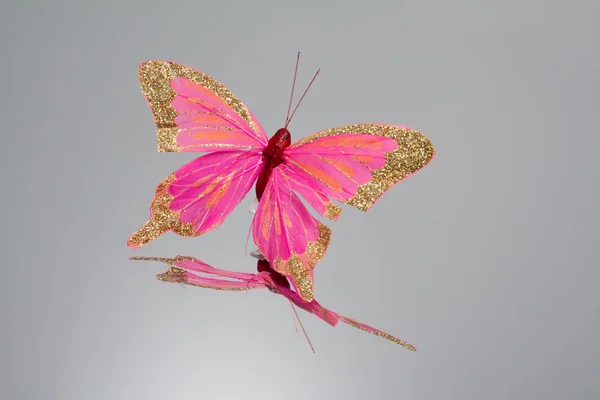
353	164
184	270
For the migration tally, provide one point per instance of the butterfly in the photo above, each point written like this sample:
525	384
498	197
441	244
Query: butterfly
186	270
352	164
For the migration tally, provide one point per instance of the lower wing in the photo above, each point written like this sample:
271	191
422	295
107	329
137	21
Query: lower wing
199	196
289	237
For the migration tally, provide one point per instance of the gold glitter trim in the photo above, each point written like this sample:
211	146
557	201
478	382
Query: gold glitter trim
316	250
378	333
173	274
300	266
302	278
332	211
162	220
168	261
414	151
155	79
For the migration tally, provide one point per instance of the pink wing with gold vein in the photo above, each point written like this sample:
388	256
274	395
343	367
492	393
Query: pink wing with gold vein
356	164
195	113
289	237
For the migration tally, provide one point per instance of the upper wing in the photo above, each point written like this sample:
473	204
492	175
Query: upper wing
289	237
356	164
200	195
194	112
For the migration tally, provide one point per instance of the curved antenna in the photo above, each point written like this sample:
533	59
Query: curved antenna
300	101
302	326
293	317
293	86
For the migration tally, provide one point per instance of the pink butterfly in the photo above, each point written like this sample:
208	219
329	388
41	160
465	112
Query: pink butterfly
353	164
179	271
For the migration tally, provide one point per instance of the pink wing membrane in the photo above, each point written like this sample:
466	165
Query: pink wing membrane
206	190
179	272
286	233
337	165
207	123
314	197
282	224
193	264
199	196
283	229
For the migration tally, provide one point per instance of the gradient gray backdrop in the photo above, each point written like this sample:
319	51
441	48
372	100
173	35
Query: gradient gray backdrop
486	260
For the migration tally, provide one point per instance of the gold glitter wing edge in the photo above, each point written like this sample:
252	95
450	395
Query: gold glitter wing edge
162	219
155	79
414	152
299	268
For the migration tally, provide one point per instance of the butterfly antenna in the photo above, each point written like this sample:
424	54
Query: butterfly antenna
300	101
293	86
303	330
294	317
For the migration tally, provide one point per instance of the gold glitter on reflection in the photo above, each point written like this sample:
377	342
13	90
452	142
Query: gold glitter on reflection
155	78
300	266
180	275
414	152
378	333
168	261
173	274
162	220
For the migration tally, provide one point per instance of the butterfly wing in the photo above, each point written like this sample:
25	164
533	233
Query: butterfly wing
333	318
199	196
289	237
356	164
180	267
194	112
376	332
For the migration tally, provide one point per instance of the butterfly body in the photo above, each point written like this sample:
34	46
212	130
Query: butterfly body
263	266
272	157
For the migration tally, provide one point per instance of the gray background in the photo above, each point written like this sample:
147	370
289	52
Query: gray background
484	260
